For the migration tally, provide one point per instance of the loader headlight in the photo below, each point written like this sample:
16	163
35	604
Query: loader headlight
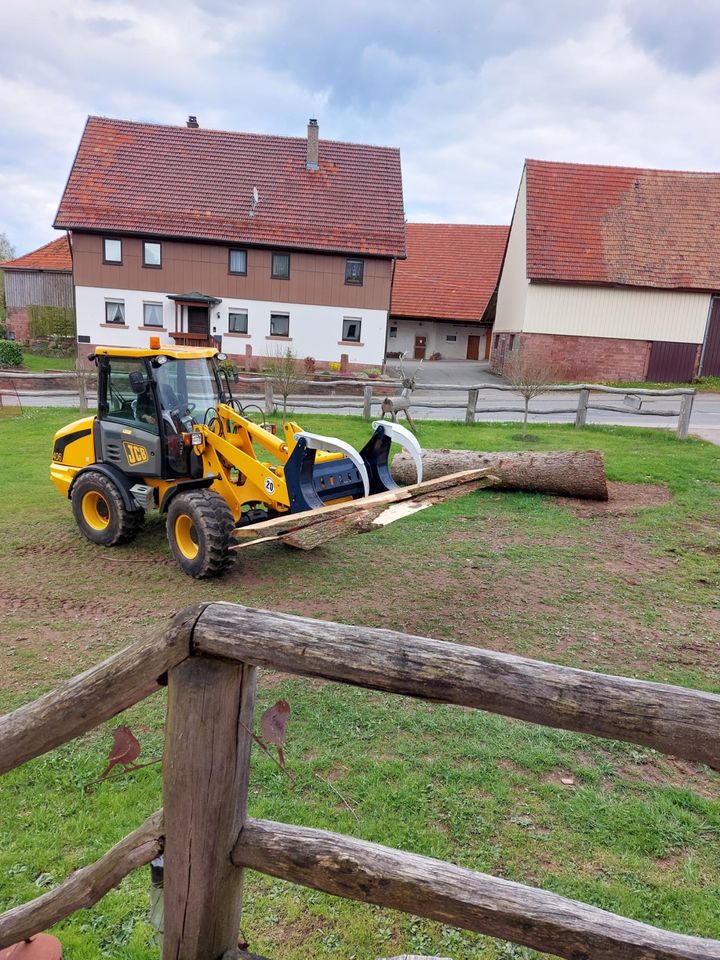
196	439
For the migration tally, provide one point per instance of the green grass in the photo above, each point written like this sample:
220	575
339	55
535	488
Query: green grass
701	384
34	363
633	832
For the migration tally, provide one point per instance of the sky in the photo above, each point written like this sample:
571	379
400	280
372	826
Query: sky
467	90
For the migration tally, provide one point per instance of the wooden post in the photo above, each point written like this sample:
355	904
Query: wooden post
471	405
581	415
206	768
367	401
269	397
686	405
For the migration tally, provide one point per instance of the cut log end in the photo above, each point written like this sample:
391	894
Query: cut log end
569	474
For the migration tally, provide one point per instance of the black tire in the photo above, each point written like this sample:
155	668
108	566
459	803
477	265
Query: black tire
100	512
199	527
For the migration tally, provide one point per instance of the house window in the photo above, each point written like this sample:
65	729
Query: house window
281	266
497	340
354	271
112	250
351	328
152	315
115	311
152	254
238	321
393	333
511	342
451	338
237	262
279	324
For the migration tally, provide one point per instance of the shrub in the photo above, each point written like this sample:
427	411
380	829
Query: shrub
333	365
50	321
11	354
309	364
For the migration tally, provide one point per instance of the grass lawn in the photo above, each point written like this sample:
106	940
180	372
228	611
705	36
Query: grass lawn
34	363
628	590
701	384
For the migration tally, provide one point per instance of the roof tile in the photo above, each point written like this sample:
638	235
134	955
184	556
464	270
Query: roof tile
197	184
52	256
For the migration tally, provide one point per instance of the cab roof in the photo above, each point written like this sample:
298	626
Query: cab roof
177	353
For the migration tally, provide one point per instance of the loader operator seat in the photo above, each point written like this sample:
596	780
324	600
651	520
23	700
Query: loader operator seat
144	406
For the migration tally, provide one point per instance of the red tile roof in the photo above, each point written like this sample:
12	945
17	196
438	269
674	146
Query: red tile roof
451	270
53	256
197	184
621	225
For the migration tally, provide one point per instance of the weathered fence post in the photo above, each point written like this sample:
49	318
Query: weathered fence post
581	414
471	406
367	401
269	397
686	405
205	768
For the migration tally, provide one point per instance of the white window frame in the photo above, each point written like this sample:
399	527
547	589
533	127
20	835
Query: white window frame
238	312
346	322
274	316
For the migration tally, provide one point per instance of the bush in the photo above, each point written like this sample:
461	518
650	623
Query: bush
309	364
50	322
11	354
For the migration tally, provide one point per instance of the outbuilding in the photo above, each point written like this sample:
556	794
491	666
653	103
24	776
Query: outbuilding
612	273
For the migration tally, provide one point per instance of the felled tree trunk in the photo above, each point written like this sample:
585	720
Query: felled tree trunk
572	474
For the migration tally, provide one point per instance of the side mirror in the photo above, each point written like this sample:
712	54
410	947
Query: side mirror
138	383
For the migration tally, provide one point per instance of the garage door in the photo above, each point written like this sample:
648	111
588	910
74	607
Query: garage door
671	362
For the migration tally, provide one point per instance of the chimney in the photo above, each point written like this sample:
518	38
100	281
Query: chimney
312	145
192	123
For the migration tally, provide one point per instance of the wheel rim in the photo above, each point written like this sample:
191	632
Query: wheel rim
186	537
95	510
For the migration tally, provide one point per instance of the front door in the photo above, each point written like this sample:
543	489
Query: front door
420	345
197	318
473	347
711	348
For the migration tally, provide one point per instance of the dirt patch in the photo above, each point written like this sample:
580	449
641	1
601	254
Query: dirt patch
670	772
622	498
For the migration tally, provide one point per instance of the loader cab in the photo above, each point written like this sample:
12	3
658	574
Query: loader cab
146	404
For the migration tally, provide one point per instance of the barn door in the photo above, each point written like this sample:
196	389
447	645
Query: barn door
420	347
671	362
711	351
473	347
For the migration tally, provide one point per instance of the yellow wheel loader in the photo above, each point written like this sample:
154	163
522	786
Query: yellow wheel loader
169	436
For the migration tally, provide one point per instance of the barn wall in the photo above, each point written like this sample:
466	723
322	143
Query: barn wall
513	289
40	287
611	312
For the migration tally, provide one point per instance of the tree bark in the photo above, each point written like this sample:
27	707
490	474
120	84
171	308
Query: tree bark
570	474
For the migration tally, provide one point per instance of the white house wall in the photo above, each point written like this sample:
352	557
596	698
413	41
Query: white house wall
513	289
625	313
315	331
437	334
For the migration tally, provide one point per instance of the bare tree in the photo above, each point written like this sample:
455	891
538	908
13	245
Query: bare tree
286	372
7	252
84	371
530	376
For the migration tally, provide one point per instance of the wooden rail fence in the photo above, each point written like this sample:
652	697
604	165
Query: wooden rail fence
209	655
586	401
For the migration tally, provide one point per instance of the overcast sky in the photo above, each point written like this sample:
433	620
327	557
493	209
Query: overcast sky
466	88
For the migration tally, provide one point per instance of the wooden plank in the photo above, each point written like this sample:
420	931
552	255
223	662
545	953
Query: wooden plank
358	870
205	769
296	521
99	693
86	886
672	719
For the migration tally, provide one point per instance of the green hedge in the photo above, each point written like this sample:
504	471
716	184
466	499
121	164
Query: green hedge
11	354
50	321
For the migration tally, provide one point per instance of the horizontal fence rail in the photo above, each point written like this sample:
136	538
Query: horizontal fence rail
209	654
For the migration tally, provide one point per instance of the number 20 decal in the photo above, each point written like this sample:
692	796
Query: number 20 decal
269	485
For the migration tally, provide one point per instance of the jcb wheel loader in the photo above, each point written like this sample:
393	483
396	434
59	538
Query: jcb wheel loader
168	435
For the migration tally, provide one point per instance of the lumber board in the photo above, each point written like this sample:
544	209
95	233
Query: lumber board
673	719
86	886
371	873
81	703
296	521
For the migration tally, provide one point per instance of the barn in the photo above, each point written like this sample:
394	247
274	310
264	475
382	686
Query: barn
612	273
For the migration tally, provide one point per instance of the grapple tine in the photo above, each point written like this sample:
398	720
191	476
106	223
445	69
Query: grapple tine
399	434
332	445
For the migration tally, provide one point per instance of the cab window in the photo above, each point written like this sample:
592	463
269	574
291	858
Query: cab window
124	404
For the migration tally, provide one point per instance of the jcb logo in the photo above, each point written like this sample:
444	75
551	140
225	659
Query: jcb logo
135	453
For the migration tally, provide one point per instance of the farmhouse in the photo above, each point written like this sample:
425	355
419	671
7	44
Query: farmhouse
257	243
40	279
612	273
443	295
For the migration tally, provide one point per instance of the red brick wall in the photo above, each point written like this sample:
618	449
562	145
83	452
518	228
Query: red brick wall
577	358
17	321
